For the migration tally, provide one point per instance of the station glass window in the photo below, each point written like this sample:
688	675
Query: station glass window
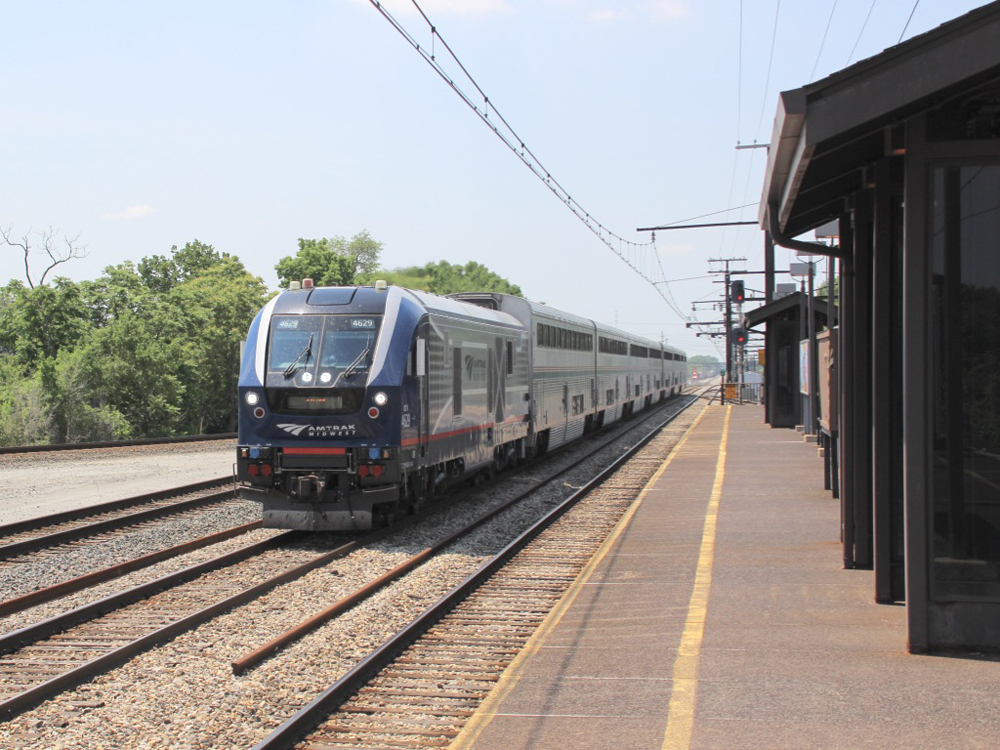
965	381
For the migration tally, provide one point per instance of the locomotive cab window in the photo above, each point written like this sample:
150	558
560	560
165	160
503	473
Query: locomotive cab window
319	363
331	343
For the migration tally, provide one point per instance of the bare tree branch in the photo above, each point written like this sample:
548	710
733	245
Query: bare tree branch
70	249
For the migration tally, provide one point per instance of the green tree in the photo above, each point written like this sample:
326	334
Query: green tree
703	359
24	418
46	244
147	349
122	290
448	278
332	261
410	277
132	368
161	274
74	410
39	321
8	313
212	312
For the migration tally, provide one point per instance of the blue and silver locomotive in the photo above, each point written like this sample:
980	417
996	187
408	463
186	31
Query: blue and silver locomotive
355	403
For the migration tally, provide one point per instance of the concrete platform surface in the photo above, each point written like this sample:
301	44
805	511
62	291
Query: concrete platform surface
720	617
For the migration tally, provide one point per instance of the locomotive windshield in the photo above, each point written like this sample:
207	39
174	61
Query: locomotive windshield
314	361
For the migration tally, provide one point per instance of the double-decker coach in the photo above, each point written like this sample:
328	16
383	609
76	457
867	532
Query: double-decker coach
584	374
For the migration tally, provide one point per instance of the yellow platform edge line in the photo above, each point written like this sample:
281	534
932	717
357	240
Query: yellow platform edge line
684	685
481	719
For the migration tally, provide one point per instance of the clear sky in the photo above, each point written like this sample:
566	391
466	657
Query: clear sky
139	126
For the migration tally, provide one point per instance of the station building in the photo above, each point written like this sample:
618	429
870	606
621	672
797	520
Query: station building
903	150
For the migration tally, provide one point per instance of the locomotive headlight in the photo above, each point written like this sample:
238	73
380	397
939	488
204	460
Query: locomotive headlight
252	397
381	399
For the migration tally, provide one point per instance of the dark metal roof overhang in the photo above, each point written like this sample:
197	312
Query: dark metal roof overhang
782	307
827	133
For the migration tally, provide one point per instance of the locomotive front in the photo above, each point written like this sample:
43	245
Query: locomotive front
322	401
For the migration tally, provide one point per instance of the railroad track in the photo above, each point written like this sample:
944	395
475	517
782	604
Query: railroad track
419	688
38	662
41	660
95	577
53	531
48	657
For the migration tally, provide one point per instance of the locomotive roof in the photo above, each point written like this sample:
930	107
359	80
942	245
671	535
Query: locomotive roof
457	308
366	300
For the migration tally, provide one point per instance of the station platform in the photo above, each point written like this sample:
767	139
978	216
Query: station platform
719	616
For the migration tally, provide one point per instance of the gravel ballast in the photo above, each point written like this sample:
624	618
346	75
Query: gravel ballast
184	695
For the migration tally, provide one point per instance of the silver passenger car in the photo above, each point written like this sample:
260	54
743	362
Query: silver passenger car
584	374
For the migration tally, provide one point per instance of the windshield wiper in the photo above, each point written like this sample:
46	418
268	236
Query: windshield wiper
290	370
357	362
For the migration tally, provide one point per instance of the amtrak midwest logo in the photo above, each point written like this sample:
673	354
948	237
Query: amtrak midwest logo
311	430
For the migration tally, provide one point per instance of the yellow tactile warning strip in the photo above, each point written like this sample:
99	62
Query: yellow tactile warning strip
683	695
488	709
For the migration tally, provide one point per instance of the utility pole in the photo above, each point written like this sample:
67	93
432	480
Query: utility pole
728	310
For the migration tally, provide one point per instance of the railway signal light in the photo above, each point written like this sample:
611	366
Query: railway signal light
739	336
738	293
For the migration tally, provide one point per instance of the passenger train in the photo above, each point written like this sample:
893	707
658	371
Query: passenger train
356	403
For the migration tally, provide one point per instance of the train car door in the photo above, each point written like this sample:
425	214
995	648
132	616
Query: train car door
423	425
498	379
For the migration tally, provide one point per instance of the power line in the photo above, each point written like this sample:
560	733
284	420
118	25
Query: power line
746	192
739	79
628	251
863	26
770	61
702	216
908	21
698	226
827	31
739	115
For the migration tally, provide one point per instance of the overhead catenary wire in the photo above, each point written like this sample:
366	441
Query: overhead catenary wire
861	33
823	40
770	62
763	108
634	254
739	113
903	32
703	216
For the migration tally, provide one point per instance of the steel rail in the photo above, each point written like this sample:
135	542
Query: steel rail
10	449
31	524
286	736
33	633
58	623
255	657
58	590
44	541
38	631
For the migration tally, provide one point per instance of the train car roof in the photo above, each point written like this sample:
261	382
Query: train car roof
369	300
601	328
457	308
538	308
